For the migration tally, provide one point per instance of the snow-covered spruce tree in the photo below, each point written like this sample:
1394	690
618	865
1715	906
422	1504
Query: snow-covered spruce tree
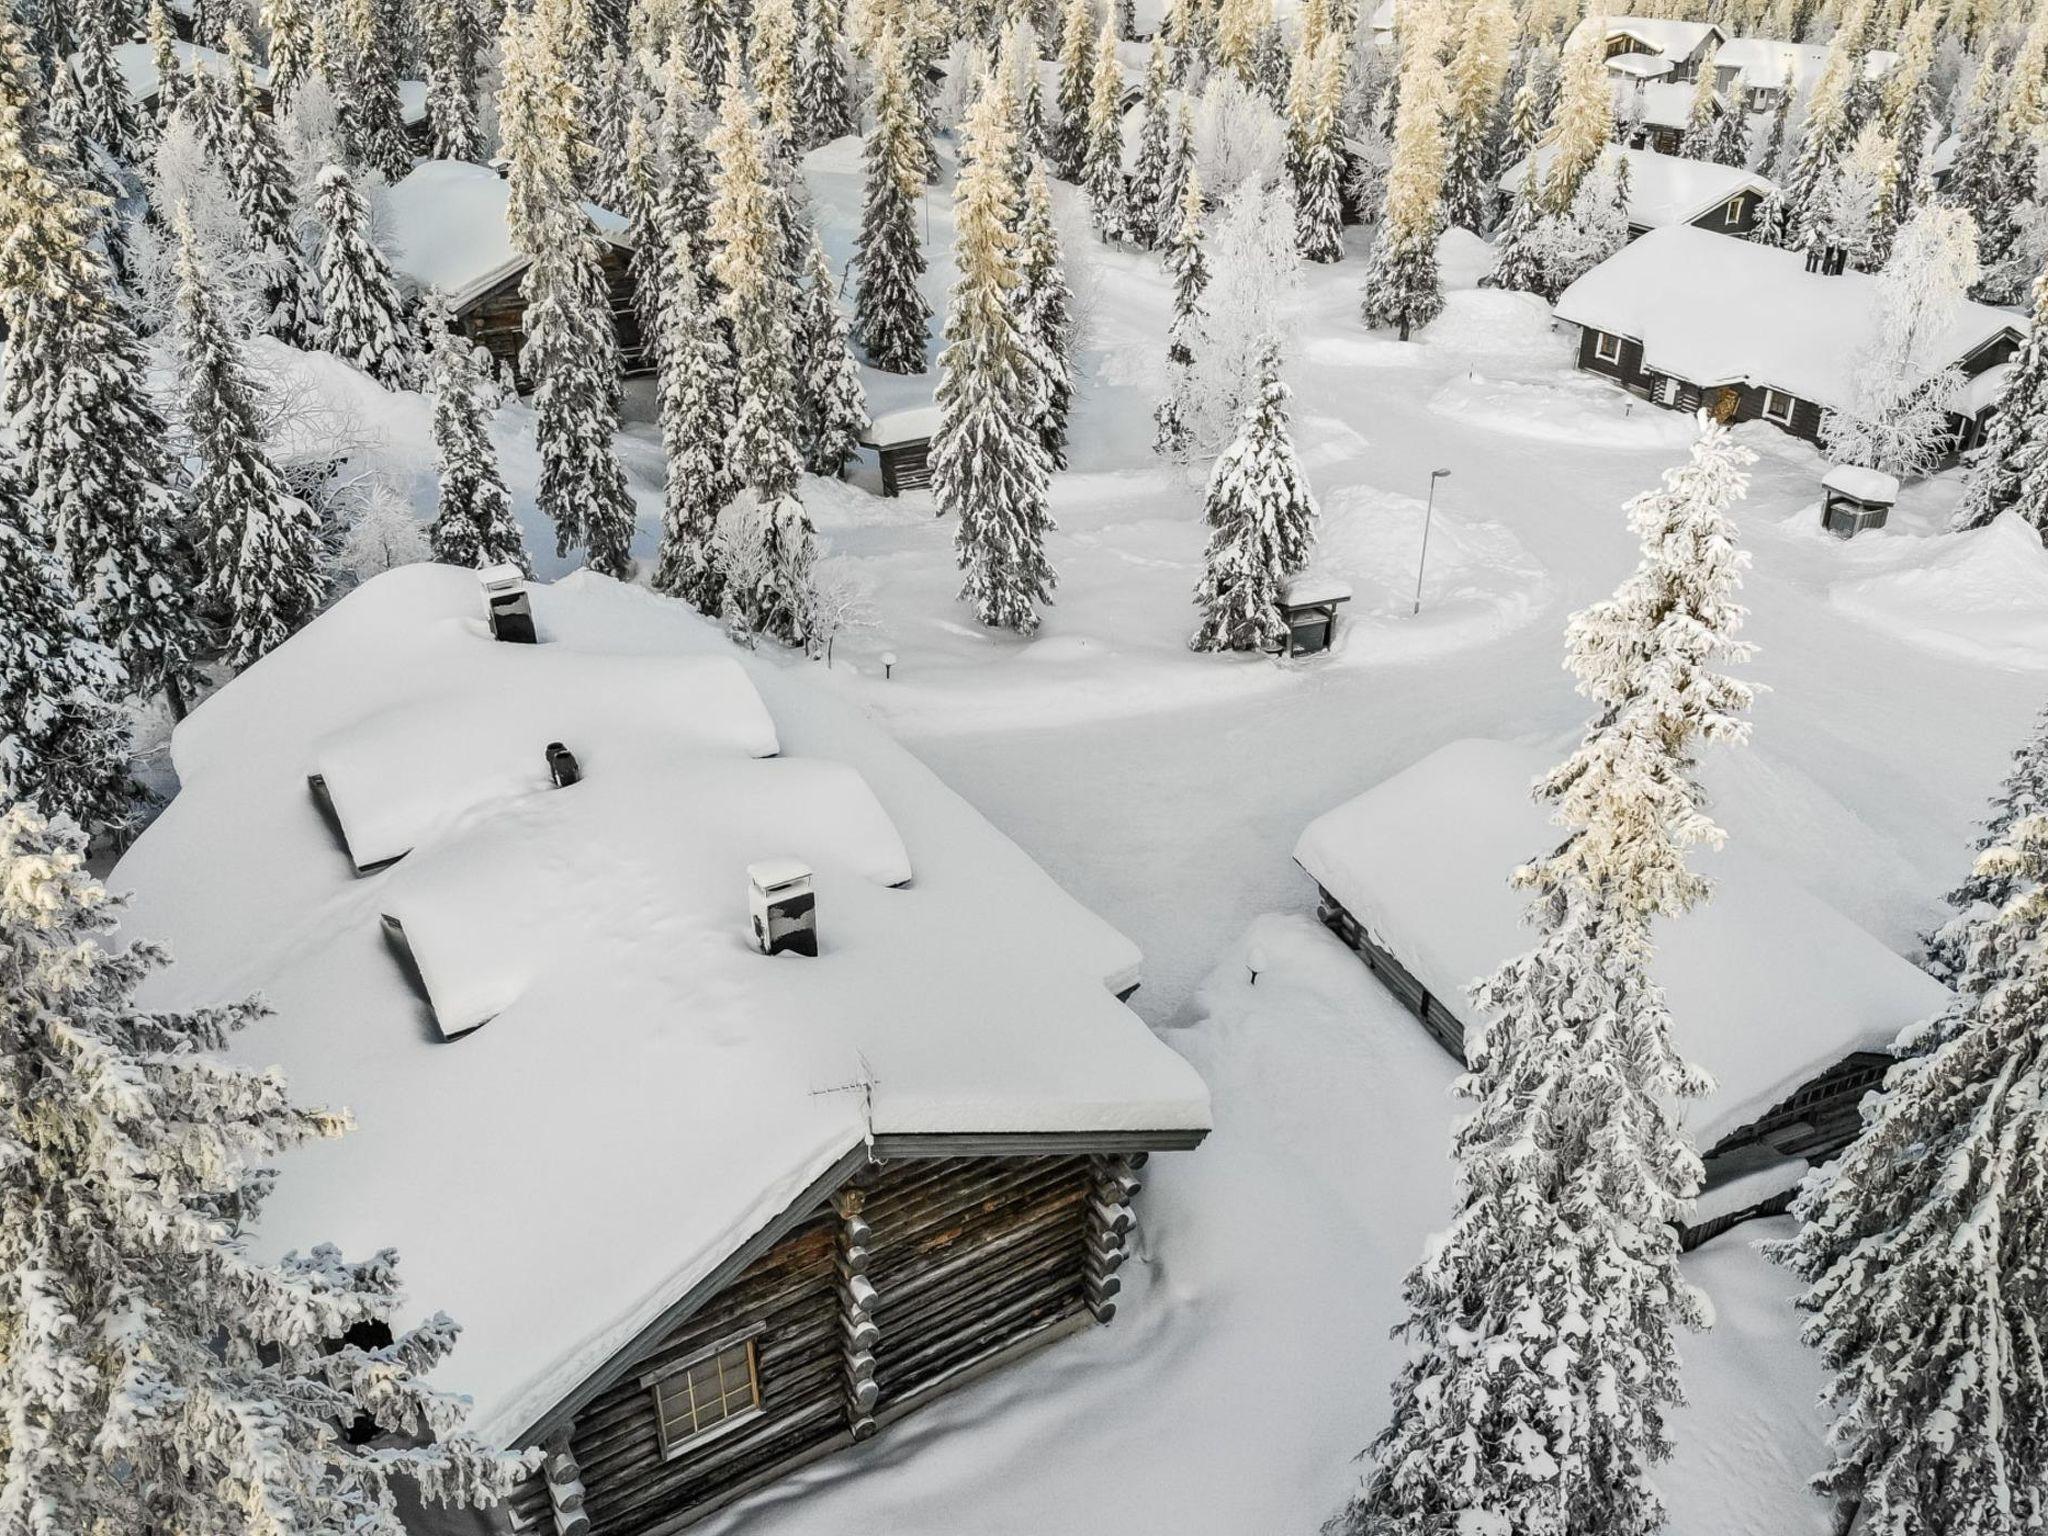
685	162
261	178
761	448
1077	87
571	349
1703	111
74	380
1173	192
835	408
1103	156
155	1376
1262	520
1045	309
1240	30
889	314
1542	1325
109	111
63	739
1314	168
363	321
824	93
1518	263
288	31
163	53
1148	193
1403	287
366	61
1954	950
473	522
1584	122
1828	133
448	41
641	198
1478	72
772	41
1773	227
989	468
1921	1245
1768	143
2012	471
1173	417
696	419
259	546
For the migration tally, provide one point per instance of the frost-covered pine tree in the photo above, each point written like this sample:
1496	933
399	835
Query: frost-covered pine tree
696	418
1541	1328
1045	308
1767	151
1921	1242
824	92
1985	891
1314	166
685	162
109	113
288	33
1077	88
1478	72
1703	112
473	522
772	41
1583	125
1518	262
1102	157
747	243
1149	197
163	53
1173	417
889	314
365	60
159	1377
1262	519
63	738
1829	131
74	380
835	408
2012	471
259	546
448	41
363	320
261	178
1773	226
1403	287
989	468
571	348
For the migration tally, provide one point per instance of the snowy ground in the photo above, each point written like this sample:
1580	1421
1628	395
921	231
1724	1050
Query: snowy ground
1165	789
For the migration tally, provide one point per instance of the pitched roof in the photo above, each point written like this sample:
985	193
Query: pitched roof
1767	984
447	222
1712	310
137	63
1762	62
1674	39
1662	189
647	1092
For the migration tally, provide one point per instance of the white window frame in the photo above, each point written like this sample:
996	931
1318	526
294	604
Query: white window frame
1732	214
1791	406
676	1373
1600	352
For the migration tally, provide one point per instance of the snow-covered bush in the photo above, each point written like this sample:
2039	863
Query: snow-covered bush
1255	270
1239	138
382	532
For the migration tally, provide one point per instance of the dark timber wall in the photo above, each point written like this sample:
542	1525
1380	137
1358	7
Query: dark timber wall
497	318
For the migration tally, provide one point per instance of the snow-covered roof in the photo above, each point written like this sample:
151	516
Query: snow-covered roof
1861	483
412	101
1312	587
1659	103
1982	391
917	424
1674	39
1768	985
1662	189
649	1090
137	63
1641	66
446	220
1762	62
1711	310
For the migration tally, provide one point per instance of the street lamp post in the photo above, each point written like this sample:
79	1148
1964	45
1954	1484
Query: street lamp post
1428	511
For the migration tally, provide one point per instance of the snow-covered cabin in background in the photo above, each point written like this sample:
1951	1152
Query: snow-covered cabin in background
902	441
1789	1004
137	64
1754	71
703	1214
1653	113
1689	320
1681	45
447	220
1668	189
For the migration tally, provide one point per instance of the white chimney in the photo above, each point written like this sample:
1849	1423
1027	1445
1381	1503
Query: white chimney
785	910
506	603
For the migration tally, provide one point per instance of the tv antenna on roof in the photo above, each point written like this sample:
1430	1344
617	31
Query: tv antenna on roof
862	1083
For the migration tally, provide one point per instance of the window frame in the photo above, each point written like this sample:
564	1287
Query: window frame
1600	352
1731	212
673	1445
1791	407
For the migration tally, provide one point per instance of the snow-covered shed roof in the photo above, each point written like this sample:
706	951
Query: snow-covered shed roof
1712	311
1640	66
1861	483
1662	189
1673	39
1762	62
1982	391
1659	103
917	424
1768	985
447	222
649	1091
137	63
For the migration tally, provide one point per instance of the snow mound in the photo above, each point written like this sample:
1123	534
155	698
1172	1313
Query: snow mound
1462	258
1499	323
1564	409
1981	596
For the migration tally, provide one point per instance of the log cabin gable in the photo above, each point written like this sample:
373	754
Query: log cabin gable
495	317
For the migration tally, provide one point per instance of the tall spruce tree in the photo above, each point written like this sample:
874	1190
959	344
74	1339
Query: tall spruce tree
63	738
1583	125
365	65
1045	308
824	93
288	31
989	468
473	522
448	41
261	178
74	379
835	411
363	321
259	546
1076	90
1403	286
685	162
696	419
1102	158
1558	1281
1478	73
108	110
1148	192
571	352
2012	471
158	1376
1262	519
890	315
1173	417
1314	163
1989	886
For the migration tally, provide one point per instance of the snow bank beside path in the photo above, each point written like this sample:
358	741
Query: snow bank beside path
1982	596
1567	408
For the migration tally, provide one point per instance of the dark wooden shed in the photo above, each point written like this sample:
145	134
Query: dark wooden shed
1854	498
902	440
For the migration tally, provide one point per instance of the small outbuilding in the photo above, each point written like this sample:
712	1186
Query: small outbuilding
1664	190
902	440
1309	604
1854	498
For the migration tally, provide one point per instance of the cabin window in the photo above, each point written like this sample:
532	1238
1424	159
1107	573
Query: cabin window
712	1391
1778	407
1606	348
1732	214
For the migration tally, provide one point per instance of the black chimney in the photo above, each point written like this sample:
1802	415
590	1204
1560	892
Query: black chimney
562	765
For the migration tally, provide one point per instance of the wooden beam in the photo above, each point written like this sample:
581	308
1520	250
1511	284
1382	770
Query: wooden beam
565	1485
856	1316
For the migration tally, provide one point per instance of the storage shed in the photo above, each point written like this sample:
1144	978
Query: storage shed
1789	1004
902	440
1854	498
704	1215
1309	604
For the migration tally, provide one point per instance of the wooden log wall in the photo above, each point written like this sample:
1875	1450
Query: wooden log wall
915	1272
497	319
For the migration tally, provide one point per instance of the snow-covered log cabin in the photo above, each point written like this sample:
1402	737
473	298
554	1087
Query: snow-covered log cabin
704	1214
1789	1004
1689	320
1680	44
447	220
1755	71
1664	190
